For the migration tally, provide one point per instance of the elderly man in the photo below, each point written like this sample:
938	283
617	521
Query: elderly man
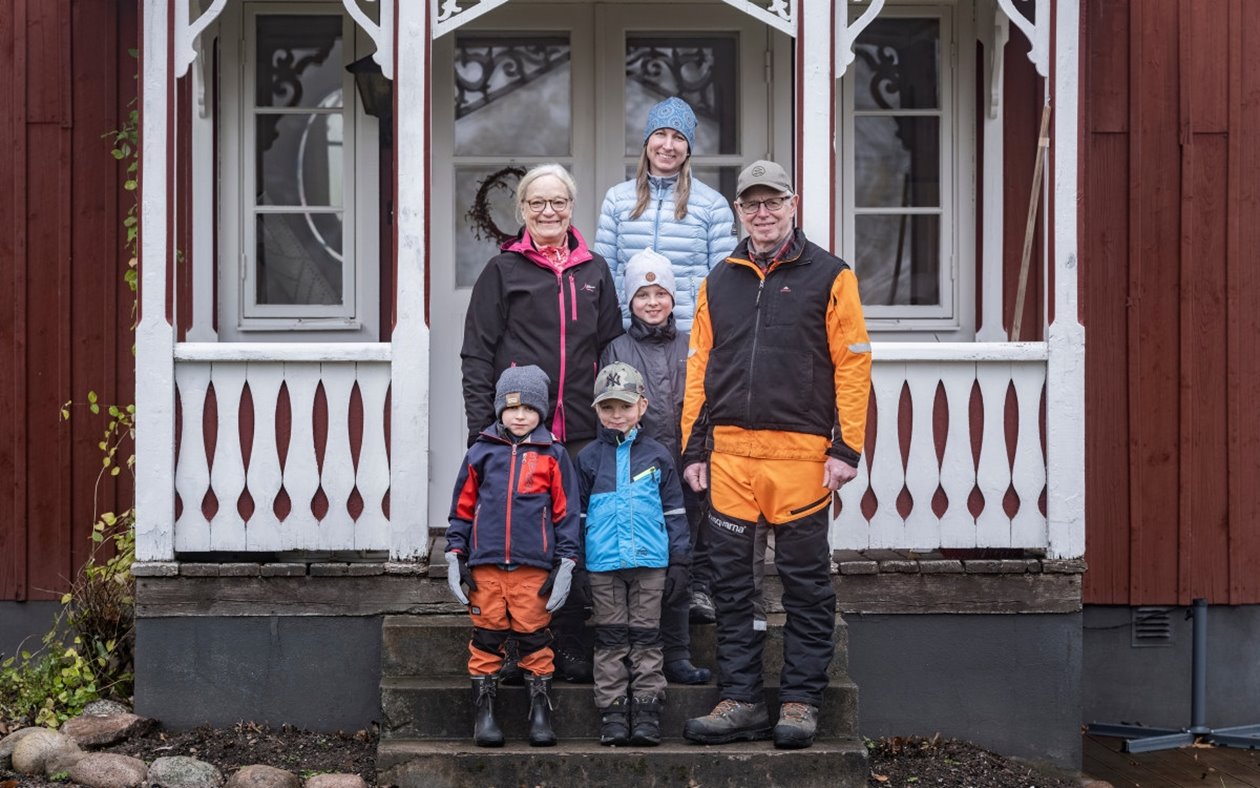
778	379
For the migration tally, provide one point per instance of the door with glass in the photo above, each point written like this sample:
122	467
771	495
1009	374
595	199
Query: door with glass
531	83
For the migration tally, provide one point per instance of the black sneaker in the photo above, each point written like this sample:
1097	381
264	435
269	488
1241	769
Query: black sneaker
572	666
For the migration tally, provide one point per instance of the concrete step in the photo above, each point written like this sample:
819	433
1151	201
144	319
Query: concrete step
437	645
442	708
836	763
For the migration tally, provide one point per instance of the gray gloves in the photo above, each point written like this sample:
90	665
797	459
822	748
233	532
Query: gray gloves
457	571
559	581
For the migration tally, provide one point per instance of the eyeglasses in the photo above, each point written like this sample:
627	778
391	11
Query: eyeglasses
773	205
558	204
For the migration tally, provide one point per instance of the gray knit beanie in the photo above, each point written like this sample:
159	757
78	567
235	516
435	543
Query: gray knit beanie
521	386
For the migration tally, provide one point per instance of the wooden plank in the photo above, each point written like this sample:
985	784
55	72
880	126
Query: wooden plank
1206	64
1104	286
1184	766
890	593
1154	281
290	596
1243	374
1106	105
1126	770
46	384
1022	102
1204	499
12	171
1240	764
45	52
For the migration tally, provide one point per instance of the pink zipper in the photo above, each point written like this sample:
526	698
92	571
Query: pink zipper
573	297
557	421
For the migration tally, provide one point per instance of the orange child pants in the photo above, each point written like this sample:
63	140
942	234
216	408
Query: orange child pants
506	605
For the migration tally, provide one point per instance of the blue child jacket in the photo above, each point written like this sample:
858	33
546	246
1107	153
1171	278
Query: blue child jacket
632	504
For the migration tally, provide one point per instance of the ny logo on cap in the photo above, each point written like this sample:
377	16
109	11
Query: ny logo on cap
613	379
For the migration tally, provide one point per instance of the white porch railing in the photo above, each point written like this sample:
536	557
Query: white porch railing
957	457
282	447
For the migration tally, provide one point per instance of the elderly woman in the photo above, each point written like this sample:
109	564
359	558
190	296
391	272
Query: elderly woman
545	299
666	210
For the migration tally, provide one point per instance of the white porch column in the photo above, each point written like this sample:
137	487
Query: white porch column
994	33
155	337
409	420
1065	381
817	138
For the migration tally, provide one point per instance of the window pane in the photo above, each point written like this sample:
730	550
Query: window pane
300	159
702	71
299	259
898	259
472	253
898	161
898	64
512	96
720	178
299	59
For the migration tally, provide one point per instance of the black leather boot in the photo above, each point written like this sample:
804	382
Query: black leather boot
486	730
540	732
646	715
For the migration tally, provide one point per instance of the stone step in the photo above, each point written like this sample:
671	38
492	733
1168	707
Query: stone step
437	645
835	763
442	708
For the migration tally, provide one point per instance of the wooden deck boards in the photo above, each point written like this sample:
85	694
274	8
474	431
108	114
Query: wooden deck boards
1221	767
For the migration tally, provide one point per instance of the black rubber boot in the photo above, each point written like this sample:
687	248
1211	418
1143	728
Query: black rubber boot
614	723
540	732
646	714
486	730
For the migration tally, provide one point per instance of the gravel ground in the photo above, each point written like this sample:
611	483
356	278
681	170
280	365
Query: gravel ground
895	762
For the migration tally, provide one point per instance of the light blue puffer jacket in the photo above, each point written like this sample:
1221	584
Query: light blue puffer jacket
695	245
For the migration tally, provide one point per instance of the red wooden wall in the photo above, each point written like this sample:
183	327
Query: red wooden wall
1170	287
66	78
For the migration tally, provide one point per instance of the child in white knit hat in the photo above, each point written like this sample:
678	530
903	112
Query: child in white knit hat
658	349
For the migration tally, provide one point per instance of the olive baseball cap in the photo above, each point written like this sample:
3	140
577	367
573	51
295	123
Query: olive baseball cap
763	173
620	381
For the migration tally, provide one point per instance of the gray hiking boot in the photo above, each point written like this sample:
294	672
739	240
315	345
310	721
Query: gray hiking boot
730	720
796	726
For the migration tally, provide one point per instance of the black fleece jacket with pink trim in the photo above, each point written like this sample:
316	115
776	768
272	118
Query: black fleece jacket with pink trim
524	311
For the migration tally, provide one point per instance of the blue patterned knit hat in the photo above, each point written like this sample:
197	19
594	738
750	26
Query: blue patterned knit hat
672	113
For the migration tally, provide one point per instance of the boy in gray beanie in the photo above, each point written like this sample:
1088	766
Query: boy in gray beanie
515	470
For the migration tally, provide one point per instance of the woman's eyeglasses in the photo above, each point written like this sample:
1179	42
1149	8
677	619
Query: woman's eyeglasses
558	204
773	205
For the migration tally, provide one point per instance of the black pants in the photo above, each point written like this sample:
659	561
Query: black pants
676	618
803	559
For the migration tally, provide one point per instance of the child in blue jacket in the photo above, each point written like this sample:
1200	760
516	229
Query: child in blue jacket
513	541
637	551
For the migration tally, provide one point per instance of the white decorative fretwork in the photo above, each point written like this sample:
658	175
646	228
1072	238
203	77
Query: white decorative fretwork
779	14
187	31
449	15
847	33
1037	31
957	459
382	33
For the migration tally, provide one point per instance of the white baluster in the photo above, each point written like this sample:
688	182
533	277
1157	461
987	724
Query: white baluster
301	474
887	474
993	527
372	529
263	531
958	470
337	478
227	477
852	531
922	472
192	474
1028	526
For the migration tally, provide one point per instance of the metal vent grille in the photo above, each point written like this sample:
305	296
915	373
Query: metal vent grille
1152	627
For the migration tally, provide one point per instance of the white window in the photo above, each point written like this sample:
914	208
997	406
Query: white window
299	175
906	197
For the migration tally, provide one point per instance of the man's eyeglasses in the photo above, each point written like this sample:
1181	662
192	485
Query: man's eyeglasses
558	204
773	205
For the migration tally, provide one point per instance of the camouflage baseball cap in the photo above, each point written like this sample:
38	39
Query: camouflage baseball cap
620	381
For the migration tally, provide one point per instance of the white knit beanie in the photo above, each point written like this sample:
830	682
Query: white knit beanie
649	268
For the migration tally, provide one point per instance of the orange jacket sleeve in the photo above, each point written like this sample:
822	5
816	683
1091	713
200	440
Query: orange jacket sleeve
850	349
